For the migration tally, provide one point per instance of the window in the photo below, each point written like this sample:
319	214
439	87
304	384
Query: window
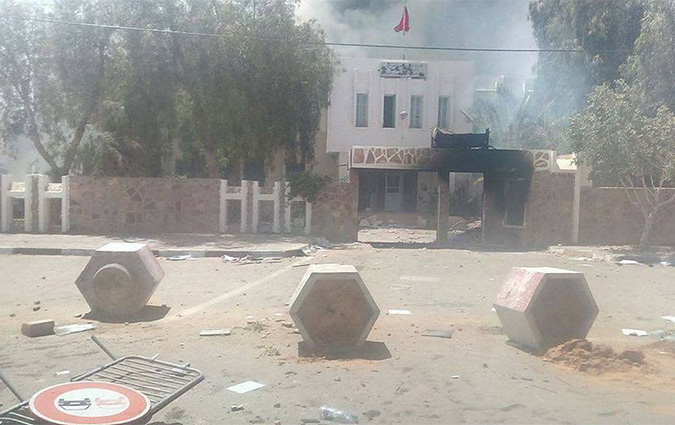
362	109
443	116
515	192
389	111
416	109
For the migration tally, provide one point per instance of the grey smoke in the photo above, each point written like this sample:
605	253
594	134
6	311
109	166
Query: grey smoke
457	23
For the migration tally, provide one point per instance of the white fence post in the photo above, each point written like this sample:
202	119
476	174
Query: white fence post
277	207
287	207
6	202
223	206
308	218
256	207
43	203
244	206
28	204
65	204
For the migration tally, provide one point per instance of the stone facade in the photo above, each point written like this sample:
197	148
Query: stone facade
335	213
143	205
607	217
548	212
374	157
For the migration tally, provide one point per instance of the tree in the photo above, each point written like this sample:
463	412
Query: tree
603	30
51	77
258	88
624	144
651	68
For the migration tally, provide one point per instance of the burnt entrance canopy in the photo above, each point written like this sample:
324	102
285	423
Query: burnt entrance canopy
461	153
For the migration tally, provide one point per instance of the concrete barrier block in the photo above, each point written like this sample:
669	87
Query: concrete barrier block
332	308
38	328
542	307
119	279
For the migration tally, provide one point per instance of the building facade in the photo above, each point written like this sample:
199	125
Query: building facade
395	103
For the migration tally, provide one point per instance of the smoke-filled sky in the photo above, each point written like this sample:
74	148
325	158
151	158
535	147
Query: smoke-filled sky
447	23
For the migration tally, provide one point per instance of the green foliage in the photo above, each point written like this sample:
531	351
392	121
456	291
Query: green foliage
604	30
307	185
134	98
51	77
625	144
651	69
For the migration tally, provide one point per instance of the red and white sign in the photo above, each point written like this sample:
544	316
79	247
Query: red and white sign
90	403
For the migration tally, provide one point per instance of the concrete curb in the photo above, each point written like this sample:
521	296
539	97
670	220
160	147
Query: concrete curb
194	253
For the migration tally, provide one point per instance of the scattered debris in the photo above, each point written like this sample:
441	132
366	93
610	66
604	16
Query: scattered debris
63	372
335	415
215	332
455	377
236	407
419	279
634	332
583	356
310	421
245	387
629	263
438	333
71	329
277	405
669	318
38	328
179	258
662	335
401	312
665	263
372	414
397	286
36	308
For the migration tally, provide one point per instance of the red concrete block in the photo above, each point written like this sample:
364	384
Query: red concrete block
542	307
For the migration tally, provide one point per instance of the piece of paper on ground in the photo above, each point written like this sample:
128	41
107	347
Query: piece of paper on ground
245	387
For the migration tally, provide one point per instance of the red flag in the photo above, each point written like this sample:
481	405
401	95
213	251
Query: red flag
404	24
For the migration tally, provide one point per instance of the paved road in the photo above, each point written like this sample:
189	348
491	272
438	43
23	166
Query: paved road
444	289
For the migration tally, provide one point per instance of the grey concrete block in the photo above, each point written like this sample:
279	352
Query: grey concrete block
38	328
332	308
119	279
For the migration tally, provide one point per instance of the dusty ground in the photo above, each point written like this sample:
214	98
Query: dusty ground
496	383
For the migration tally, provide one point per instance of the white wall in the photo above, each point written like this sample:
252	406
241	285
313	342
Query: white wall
361	75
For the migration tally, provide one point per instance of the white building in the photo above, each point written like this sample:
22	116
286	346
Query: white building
394	103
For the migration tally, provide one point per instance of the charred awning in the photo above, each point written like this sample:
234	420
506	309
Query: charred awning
441	139
472	160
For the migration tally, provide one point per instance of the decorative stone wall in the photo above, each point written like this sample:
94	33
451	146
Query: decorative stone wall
608	217
143	205
372	157
335	213
549	210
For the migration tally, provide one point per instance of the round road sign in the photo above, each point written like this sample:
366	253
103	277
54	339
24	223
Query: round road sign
90	403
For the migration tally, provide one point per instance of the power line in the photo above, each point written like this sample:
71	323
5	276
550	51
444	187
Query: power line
328	43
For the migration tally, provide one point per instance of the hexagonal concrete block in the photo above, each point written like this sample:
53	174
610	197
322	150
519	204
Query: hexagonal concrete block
119	279
332	308
543	307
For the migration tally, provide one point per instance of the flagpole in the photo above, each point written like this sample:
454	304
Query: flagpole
405	7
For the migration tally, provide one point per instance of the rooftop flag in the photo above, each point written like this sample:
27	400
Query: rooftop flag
404	23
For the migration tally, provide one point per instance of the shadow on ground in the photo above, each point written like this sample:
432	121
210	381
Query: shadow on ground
370	350
150	313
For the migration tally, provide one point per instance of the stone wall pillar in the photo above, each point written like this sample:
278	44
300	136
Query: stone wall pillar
443	206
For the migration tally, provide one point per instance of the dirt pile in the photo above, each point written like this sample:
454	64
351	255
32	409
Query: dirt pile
582	355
